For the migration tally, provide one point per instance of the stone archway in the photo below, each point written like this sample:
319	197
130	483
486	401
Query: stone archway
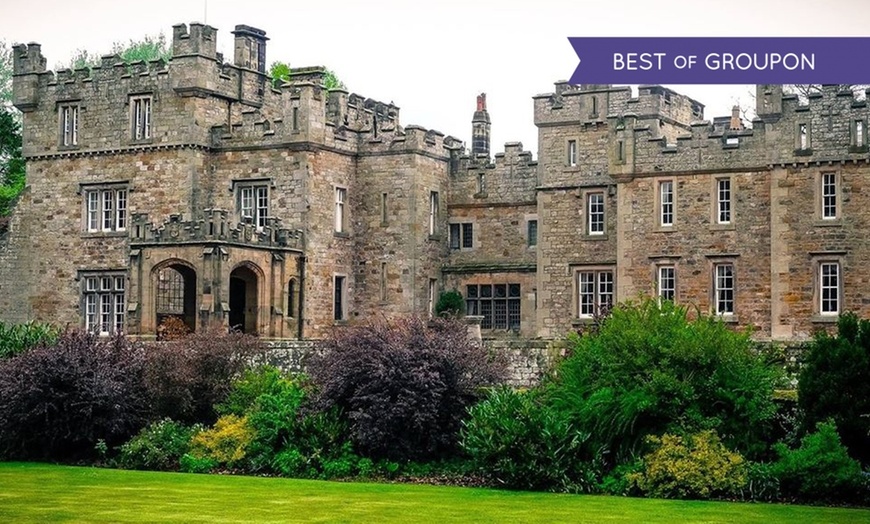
175	298
244	300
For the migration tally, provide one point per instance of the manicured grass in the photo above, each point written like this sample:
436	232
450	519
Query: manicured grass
46	493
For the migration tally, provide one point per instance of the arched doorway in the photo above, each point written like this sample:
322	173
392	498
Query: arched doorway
243	300
175	299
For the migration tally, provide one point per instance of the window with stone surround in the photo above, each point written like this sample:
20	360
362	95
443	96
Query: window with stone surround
481	183
595	213
339	309
140	117
432	297
723	288
723	201
291	298
594	291
433	213
105	207
666	203
462	236
859	136
69	125
532	233
103	301
829	191
802	140
572	153
340	209
830	287
253	202
498	304
666	283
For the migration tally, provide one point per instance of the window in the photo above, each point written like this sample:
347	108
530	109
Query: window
291	298
340	211
532	233
829	288
481	183
723	201
254	203
105	209
803	136
666	203
667	283
104	302
594	292
461	235
595	213
498	304
572	153
383	209
594	106
141	117
433	294
383	281
620	150
829	196
339	302
433	213
724	289
859	133
69	125
295	119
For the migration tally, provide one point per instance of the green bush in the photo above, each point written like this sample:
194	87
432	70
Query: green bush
762	484
226	443
193	464
18	338
834	384
248	388
450	303
650	370
697	466
520	443
820	469
158	446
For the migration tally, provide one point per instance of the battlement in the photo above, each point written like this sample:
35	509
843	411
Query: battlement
216	227
199	39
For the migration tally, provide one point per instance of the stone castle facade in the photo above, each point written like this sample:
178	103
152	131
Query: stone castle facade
197	193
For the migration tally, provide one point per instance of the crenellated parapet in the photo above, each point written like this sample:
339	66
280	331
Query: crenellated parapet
511	176
216	227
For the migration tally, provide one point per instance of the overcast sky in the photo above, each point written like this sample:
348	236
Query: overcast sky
433	58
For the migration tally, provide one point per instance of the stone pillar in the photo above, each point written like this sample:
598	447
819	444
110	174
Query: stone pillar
473	324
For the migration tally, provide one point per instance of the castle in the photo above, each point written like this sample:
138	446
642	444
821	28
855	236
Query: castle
195	190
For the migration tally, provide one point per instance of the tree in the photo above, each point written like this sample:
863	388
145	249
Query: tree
147	49
835	384
11	161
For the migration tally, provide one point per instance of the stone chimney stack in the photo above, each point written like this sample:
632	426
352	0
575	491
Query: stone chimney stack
480	128
250	48
736	123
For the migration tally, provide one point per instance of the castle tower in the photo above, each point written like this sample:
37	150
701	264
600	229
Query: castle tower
250	48
480	125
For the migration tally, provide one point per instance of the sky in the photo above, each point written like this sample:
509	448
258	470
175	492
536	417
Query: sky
433	58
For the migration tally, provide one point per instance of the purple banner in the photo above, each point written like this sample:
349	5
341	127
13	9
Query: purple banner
697	60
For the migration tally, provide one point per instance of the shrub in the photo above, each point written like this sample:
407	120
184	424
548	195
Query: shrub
519	443
226	443
247	389
187	377
18	338
290	436
57	401
762	484
158	446
404	385
193	464
450	303
820	469
650	369
695	466
834	383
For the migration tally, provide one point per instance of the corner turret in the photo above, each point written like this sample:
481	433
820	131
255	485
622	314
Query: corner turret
27	64
250	48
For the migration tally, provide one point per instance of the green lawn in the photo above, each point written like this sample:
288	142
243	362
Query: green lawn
45	493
